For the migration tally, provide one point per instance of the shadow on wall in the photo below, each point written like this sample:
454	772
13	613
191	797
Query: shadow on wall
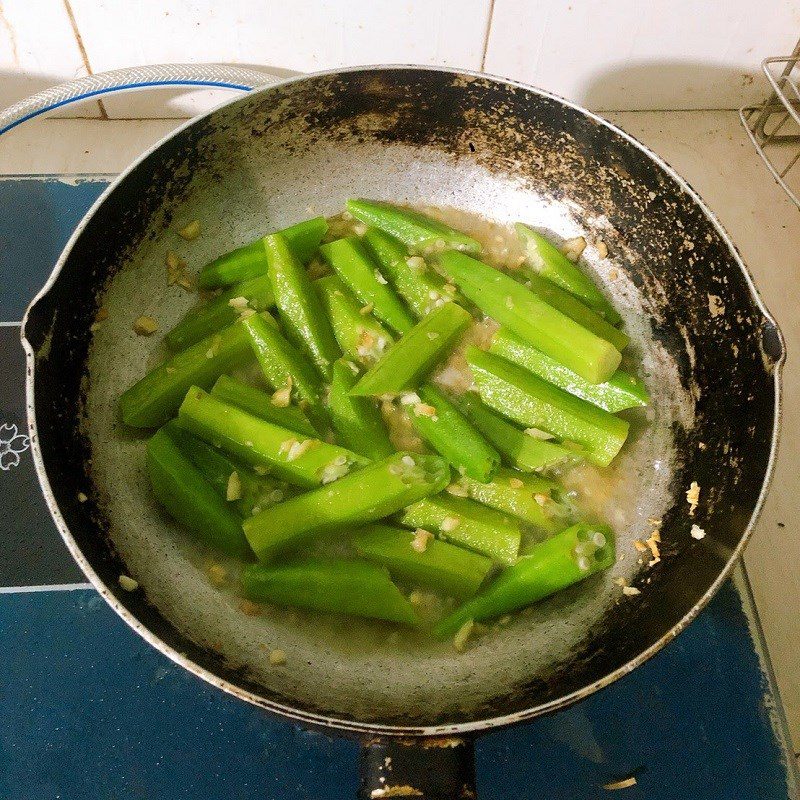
167	103
668	85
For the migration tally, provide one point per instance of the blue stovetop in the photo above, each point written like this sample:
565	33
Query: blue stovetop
90	712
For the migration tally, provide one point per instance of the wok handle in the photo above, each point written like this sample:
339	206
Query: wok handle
224	76
418	768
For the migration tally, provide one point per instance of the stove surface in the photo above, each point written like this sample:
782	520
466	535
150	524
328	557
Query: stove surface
91	712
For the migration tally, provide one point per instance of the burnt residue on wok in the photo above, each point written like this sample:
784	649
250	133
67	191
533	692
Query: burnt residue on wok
448	139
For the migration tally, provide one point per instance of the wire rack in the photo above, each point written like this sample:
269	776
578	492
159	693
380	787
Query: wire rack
774	126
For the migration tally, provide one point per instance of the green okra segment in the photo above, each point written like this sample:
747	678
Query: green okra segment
357	588
179	486
154	399
466	523
303	461
530	401
260	404
558	562
250	261
360	336
353	263
285	368
622	390
422	234
437	565
536	322
299	305
568	304
357	420
380	489
451	435
549	262
234	482
519	450
412	278
408	362
251	295
526	497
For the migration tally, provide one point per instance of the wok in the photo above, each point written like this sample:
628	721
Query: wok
711	357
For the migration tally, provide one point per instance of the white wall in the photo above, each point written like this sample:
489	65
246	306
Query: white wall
607	54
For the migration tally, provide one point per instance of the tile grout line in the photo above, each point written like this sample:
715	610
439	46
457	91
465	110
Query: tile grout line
487	34
82	48
55	587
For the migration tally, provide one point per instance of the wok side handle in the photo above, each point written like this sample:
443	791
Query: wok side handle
422	768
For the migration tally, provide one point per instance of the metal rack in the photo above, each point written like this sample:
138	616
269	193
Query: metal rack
774	126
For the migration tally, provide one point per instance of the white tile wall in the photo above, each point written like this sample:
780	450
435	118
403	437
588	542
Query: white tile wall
642	54
38	48
302	35
607	54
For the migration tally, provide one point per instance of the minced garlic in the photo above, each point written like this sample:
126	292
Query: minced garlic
217	574
145	326
450	524
277	657
697	532
421	540
128	583
283	396
693	497
233	490
191	231
299	449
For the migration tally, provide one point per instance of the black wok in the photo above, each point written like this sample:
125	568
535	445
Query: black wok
711	356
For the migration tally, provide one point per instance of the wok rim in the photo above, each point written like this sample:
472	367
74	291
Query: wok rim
340	723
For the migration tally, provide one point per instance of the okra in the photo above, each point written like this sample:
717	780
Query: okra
577	311
451	435
360	336
283	365
622	390
155	398
356	420
260	404
466	523
219	313
556	563
299	305
526	497
254	491
533	320
250	261
190	499
380	489
408	362
305	462
421	287
353	263
549	262
440	566
357	588
530	401
521	451
422	234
